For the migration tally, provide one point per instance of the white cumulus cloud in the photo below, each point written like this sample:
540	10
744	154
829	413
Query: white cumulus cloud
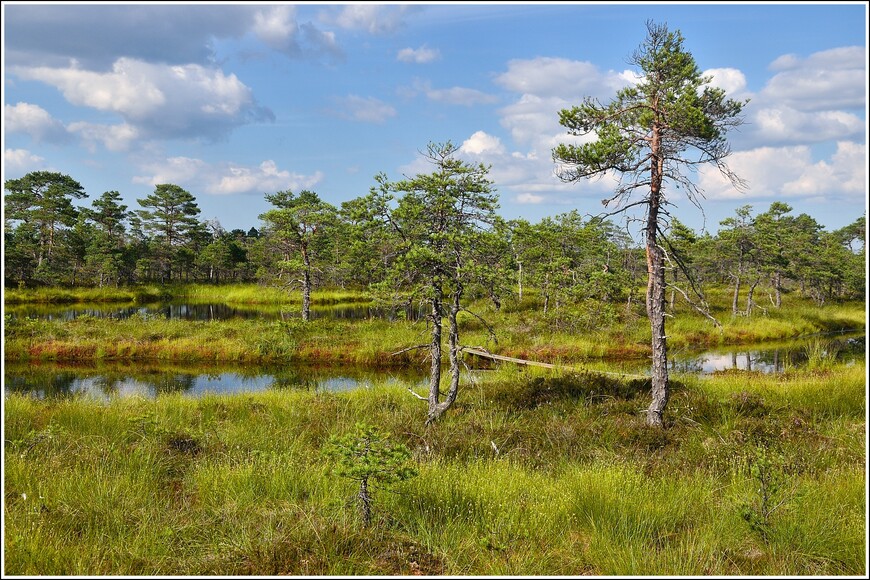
34	121
559	77
263	179
176	170
480	142
532	198
224	178
21	161
825	80
791	171
276	26
730	80
113	137
159	100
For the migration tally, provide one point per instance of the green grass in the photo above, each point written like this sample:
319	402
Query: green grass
571	335
531	473
145	293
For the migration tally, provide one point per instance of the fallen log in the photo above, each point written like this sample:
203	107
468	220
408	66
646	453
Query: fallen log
521	361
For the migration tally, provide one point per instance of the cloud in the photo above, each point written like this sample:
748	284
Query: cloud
224	178
34	121
452	96
176	170
529	198
730	80
265	178
776	172
480	142
21	161
533	119
559	77
276	27
113	137
159	100
809	100
787	125
420	55
97	35
371	18
364	109
825	80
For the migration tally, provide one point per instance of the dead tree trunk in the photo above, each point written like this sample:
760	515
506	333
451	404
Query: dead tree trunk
655	295
306	286
736	298
453	354
435	354
750	296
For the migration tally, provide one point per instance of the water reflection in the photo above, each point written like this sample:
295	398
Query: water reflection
214	311
50	380
772	359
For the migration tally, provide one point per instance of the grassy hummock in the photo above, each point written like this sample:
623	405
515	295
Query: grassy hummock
532	473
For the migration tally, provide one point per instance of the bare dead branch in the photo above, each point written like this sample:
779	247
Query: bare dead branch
422	398
410	348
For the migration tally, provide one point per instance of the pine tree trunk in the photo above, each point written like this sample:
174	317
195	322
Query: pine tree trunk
777	285
453	355
655	306
736	297
749	297
365	501
520	279
306	287
655	296
435	353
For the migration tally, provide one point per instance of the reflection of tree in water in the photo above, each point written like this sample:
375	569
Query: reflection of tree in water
694	365
216	311
43	385
294	378
165	383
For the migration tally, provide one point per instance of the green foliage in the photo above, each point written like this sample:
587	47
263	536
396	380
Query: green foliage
365	455
769	485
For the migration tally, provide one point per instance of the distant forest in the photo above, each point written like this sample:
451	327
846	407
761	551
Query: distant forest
363	244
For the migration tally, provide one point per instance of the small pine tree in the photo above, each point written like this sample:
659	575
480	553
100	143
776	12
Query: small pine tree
364	455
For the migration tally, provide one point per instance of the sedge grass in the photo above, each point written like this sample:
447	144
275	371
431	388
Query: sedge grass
532	473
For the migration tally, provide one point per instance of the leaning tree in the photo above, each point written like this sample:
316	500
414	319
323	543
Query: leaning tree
653	133
447	222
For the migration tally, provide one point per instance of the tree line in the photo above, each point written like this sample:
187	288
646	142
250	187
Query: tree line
366	243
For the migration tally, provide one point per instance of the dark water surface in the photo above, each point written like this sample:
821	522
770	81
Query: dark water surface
48	380
210	312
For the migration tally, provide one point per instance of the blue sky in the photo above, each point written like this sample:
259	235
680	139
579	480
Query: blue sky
233	101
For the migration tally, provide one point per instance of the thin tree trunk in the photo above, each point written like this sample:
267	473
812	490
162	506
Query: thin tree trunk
365	501
777	285
453	339
453	354
736	298
749	296
435	353
520	278
655	296
306	287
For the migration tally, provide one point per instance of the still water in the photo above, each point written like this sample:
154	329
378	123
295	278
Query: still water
211	312
49	380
